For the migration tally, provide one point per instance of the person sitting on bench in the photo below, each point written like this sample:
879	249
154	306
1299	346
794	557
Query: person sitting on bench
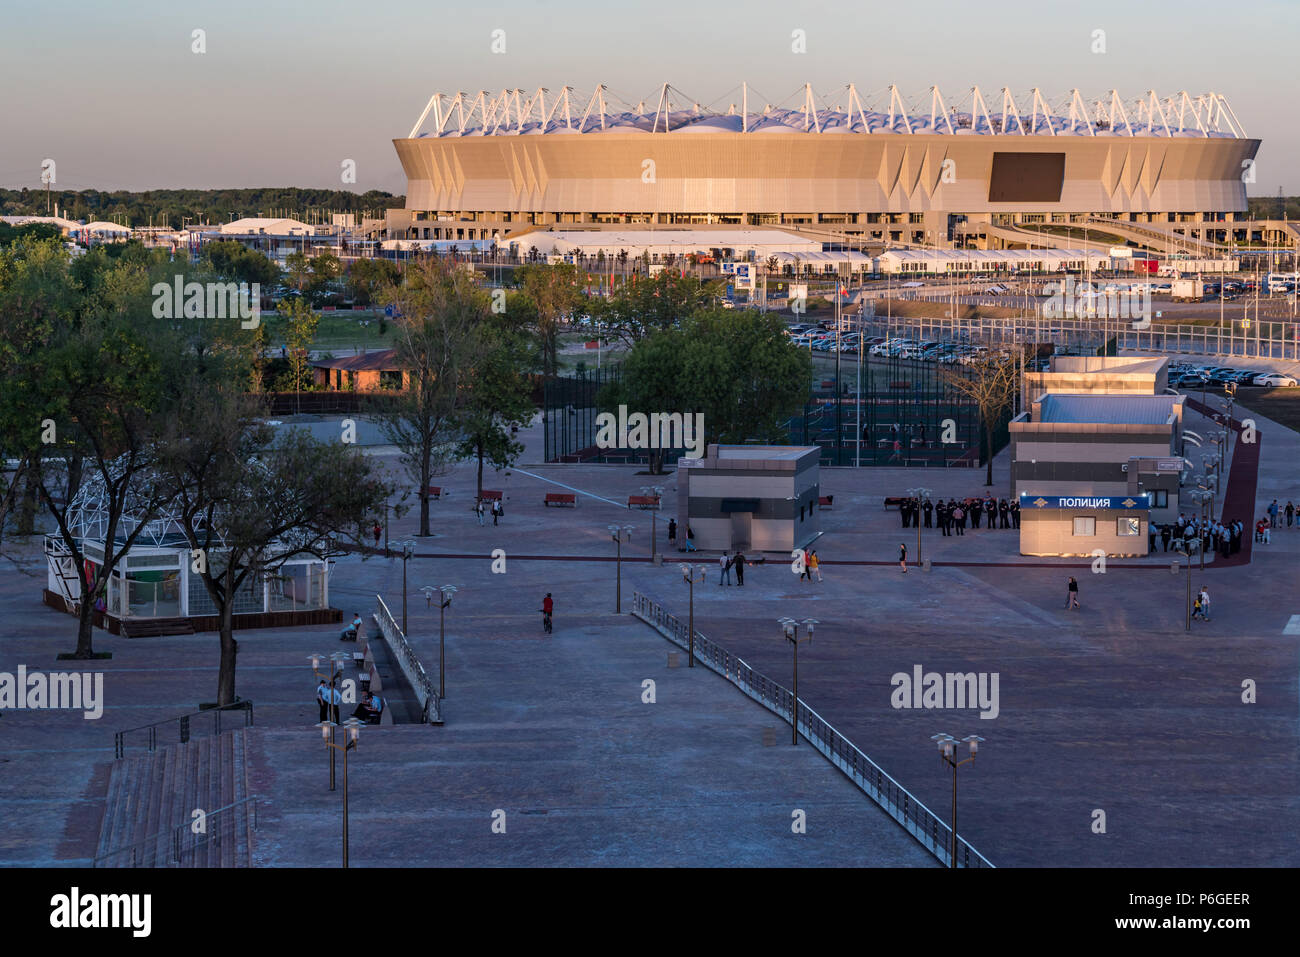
371	708
351	632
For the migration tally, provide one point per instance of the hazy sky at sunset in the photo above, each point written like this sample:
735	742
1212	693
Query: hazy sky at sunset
289	89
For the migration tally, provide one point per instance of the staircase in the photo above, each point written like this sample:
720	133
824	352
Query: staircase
156	627
149	812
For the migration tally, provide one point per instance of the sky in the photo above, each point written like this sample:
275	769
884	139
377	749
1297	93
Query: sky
288	90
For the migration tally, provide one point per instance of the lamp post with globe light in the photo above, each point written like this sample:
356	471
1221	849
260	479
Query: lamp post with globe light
790	628
948	750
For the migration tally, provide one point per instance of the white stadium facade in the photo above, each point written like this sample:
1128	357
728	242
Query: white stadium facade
1001	171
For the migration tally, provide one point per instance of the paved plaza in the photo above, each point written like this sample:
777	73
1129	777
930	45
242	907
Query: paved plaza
1112	708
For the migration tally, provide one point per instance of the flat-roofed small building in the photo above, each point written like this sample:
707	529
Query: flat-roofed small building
751	497
1094	453
1098	375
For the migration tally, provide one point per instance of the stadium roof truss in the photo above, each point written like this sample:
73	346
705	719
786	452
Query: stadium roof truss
516	112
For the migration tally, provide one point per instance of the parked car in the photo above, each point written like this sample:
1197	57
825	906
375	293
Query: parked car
1273	380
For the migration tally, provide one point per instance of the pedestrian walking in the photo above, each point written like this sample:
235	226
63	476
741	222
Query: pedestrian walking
1196	608
724	569
478	510
816	566
1290	513
740	568
376	531
1072	594
690	539
902	556
672	531
497	510
1205	602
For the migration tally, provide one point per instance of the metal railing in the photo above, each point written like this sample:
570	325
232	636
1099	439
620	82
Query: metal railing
180	840
412	667
183	726
899	803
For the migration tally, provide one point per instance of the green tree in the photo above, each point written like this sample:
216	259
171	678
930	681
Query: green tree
495	394
299	323
635	310
367	278
556	291
250	500
438	311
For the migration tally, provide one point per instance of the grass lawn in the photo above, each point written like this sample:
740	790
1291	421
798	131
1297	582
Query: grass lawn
1280	405
347	330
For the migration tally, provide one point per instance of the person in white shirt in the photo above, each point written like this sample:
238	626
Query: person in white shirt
724	568
1205	602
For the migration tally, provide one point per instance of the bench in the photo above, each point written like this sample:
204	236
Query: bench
435	491
490	495
561	498
824	501
894	500
643	501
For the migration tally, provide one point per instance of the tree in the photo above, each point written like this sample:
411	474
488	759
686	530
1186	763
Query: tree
495	395
556	292
86	398
300	324
439	308
233	260
736	367
298	269
248	500
633	312
991	385
367	278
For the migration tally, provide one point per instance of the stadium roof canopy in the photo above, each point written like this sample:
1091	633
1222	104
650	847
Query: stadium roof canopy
844	111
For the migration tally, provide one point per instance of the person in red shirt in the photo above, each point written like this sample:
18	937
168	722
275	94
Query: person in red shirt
548	606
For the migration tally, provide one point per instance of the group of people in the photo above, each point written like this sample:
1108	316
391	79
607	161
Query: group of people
688	545
496	509
1213	536
812	565
726	563
330	698
953	515
1273	519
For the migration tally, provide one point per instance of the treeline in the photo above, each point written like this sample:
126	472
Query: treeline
172	207
1270	207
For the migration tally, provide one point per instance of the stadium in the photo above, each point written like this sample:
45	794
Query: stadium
1002	171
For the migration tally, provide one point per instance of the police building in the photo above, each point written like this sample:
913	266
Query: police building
1093	470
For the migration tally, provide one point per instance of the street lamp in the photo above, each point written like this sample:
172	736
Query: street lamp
657	491
791	629
408	552
619	534
948	751
1202	495
336	668
1186	547
920	494
688	576
444	592
352	729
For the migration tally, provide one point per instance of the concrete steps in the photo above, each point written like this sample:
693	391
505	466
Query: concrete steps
151	794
